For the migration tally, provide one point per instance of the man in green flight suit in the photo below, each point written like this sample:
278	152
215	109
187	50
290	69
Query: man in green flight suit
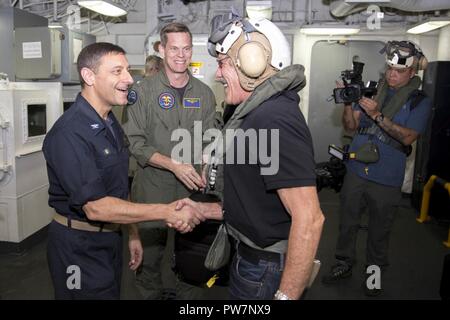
172	99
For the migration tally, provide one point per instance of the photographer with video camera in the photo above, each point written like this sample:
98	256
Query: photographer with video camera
384	128
353	87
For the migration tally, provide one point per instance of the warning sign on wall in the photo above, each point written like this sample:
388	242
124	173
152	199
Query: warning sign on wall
196	69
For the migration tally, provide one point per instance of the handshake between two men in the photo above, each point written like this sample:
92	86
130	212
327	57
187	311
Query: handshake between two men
185	214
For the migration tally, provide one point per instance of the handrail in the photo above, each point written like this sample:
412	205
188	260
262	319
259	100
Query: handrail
426	200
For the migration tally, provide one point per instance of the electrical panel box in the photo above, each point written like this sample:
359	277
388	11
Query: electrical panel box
10	20
38	53
32	51
72	42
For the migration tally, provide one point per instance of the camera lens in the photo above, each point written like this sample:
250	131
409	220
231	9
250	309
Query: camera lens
350	94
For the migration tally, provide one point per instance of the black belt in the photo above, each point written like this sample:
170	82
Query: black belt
254	255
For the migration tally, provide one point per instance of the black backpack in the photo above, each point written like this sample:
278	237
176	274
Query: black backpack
191	249
190	253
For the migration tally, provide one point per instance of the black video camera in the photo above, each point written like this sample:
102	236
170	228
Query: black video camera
354	88
331	174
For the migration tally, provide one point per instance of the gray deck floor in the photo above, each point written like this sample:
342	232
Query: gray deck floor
416	254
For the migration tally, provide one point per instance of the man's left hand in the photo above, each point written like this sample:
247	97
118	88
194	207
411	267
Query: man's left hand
136	251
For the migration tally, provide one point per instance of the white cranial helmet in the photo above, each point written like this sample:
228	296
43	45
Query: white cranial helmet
257	47
404	54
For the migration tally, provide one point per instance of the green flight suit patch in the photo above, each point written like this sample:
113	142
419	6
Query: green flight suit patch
191	103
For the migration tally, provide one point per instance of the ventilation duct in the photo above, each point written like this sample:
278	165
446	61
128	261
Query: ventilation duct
340	9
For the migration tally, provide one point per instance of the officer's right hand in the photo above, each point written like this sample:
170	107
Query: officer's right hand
187	174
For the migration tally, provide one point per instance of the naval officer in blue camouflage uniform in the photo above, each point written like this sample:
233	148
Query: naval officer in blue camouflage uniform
87	164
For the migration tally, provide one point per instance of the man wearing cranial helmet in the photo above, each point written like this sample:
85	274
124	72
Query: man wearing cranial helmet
384	127
273	215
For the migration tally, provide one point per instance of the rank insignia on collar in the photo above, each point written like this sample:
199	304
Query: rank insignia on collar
166	100
95	126
191	102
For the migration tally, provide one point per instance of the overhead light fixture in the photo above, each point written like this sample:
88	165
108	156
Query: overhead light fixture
55	25
259	9
429	25
329	30
200	41
105	7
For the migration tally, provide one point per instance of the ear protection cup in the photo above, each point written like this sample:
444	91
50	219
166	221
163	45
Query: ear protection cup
253	62
423	63
252	59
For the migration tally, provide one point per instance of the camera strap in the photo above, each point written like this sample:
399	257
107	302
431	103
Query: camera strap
376	132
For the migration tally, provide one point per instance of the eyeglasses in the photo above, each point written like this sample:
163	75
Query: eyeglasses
176	50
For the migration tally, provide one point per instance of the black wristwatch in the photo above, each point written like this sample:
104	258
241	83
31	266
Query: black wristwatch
379	118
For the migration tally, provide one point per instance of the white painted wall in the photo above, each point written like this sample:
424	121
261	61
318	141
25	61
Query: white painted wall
443	53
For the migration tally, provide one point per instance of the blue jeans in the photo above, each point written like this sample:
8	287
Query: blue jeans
249	281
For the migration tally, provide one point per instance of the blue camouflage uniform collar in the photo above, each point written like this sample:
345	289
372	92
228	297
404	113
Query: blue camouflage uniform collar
96	123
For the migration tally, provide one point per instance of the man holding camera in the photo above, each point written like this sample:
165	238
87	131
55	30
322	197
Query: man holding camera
384	129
